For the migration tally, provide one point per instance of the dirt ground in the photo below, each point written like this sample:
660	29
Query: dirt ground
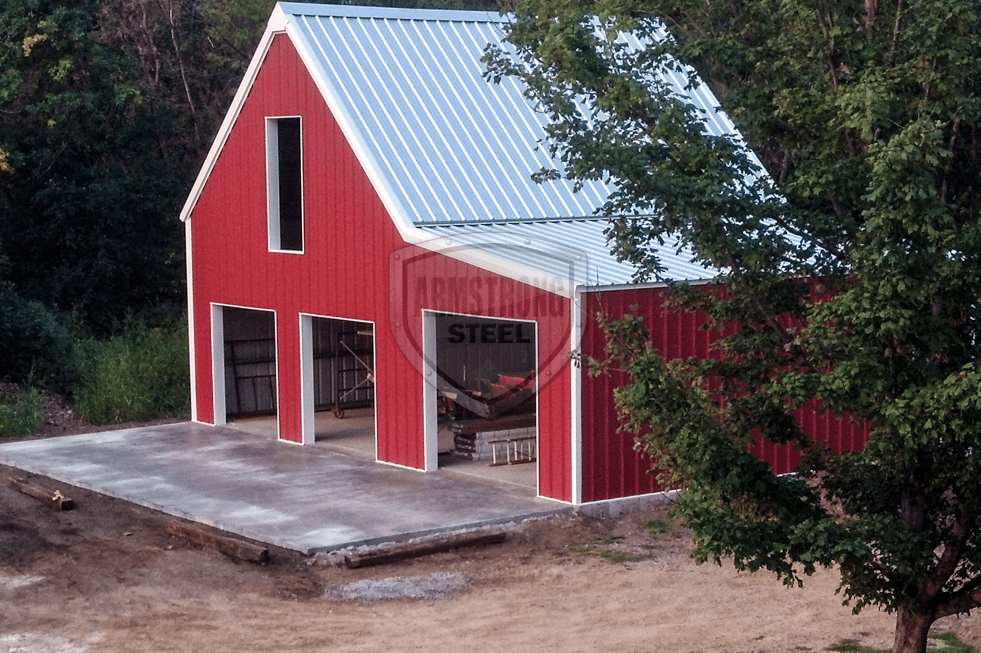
107	577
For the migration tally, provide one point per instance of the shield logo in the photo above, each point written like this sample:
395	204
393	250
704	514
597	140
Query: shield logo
492	320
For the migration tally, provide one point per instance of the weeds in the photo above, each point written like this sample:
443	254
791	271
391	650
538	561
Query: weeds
139	375
951	644
656	526
21	411
852	646
618	557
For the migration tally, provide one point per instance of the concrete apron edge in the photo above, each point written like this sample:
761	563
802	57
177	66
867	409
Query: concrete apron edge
282	543
173	512
442	530
615	508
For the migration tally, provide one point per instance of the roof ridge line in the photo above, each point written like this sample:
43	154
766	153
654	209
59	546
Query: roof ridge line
379	12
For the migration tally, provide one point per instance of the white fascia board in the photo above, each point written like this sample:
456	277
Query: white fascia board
276	25
576	372
485	260
646	286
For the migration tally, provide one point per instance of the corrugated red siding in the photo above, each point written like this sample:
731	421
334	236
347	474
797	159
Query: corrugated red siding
345	272
611	468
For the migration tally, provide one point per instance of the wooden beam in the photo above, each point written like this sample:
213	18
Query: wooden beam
209	539
418	549
53	498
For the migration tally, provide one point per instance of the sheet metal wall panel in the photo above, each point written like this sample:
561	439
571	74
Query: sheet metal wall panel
345	272
610	466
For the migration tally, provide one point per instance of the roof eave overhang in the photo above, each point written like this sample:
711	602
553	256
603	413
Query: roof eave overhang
563	284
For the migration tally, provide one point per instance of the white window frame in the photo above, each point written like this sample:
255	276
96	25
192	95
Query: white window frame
272	187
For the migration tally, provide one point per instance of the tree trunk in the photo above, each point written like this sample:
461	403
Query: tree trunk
911	631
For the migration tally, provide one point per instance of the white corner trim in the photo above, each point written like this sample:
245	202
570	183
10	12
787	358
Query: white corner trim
218	364
308	433
191	342
576	372
429	392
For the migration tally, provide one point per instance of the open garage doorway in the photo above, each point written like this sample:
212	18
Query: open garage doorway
483	401
248	341
338	363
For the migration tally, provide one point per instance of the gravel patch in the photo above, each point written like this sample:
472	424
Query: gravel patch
433	586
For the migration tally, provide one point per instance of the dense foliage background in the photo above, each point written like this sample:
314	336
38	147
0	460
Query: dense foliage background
108	109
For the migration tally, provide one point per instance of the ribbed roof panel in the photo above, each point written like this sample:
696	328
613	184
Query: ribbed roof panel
451	146
453	152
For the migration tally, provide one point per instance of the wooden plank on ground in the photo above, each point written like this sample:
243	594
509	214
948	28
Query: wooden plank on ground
48	495
418	549
210	539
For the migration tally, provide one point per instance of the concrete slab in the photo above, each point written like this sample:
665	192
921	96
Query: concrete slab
303	498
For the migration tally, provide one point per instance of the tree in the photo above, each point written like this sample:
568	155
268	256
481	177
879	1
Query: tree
851	271
108	110
86	189
190	56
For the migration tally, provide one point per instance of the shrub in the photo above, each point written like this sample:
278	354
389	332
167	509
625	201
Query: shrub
34	343
21	410
139	375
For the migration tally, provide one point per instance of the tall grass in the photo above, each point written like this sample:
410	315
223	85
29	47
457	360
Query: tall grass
21	410
139	375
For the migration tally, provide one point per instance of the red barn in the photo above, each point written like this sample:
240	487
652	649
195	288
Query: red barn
365	234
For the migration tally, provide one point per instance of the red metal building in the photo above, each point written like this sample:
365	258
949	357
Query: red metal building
365	232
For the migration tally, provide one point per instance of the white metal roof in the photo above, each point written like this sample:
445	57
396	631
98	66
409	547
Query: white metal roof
451	146
442	146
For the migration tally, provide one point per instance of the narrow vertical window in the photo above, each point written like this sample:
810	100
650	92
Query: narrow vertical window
284	176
